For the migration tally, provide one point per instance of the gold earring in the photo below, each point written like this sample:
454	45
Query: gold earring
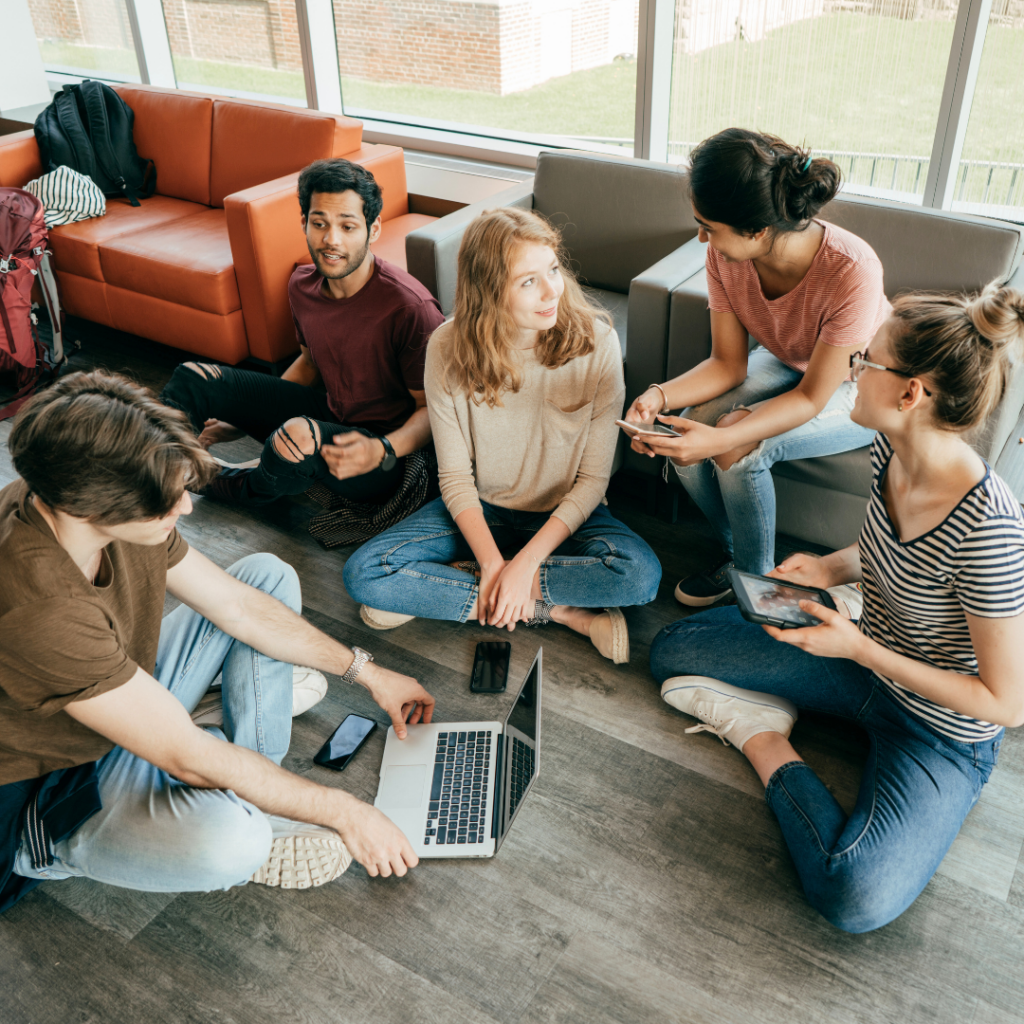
900	407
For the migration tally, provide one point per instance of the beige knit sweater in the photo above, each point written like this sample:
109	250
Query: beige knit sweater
547	448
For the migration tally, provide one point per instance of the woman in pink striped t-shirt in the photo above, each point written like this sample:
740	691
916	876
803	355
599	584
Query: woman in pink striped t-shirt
809	293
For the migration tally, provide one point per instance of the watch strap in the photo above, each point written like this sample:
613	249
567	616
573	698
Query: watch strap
389	451
359	661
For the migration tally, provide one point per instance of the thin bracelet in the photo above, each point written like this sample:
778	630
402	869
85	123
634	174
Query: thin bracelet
664	397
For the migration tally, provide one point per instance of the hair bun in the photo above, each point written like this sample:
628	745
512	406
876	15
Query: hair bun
803	184
998	315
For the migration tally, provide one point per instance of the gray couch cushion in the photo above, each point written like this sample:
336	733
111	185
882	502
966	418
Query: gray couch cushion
618	217
930	249
848	471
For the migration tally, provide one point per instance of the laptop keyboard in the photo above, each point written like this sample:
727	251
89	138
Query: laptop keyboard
522	772
459	802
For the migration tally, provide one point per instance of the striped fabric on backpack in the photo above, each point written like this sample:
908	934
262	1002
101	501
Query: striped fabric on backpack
67	196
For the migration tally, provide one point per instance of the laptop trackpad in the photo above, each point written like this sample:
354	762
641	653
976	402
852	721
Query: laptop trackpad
402	787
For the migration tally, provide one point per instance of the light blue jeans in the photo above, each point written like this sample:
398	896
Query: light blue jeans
155	833
859	871
406	569
739	502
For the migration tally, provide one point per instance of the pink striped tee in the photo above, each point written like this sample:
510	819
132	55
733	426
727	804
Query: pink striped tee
840	301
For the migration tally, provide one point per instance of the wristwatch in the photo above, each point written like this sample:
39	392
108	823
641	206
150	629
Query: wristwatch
358	663
390	459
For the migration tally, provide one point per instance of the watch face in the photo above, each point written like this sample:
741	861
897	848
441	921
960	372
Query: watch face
390	461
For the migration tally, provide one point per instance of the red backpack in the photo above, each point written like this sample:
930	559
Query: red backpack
26	363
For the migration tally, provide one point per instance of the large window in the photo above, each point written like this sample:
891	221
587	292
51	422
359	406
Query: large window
547	70
859	81
86	37
990	179
237	47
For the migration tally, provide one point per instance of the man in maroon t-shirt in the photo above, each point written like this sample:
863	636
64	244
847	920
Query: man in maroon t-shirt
362	327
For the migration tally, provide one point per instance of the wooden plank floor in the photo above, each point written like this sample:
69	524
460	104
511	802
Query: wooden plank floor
644	881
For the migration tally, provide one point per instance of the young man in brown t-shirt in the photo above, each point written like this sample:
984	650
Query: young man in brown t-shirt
362	326
102	771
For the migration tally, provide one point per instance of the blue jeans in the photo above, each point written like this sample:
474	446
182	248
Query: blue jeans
604	564
739	502
157	834
862	871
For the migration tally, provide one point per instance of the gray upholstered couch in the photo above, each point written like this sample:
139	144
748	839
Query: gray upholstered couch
822	500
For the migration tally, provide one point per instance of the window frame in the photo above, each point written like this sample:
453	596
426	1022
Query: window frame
654	73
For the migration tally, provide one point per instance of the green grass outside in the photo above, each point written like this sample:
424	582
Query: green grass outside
841	81
598	102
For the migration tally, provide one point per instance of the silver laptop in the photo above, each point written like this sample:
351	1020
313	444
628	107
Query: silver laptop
454	788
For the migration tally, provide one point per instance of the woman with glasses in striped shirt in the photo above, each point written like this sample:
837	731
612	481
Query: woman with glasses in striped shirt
932	671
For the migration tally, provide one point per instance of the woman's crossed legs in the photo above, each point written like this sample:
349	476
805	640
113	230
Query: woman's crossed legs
863	870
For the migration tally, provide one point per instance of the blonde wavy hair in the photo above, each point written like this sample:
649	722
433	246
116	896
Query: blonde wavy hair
481	359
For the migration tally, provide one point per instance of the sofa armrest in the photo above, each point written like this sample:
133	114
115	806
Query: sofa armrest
689	326
19	159
267	240
650	295
650	302
431	252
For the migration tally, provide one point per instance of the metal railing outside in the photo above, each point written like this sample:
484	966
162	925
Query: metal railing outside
990	182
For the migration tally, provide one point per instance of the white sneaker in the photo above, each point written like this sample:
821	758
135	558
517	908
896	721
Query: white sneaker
309	687
732	714
308	856
375	618
248	464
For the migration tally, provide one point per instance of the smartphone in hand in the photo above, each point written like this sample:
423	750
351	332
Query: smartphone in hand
344	742
639	429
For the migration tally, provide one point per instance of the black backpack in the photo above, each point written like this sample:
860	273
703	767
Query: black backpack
88	127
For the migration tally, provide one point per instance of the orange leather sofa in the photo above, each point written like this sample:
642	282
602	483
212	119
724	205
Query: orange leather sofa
203	265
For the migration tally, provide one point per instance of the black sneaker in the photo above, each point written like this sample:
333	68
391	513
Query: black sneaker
706	587
227	485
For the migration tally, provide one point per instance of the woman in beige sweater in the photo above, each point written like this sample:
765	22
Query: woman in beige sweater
523	385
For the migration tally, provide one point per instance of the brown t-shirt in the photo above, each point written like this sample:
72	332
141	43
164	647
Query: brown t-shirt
369	349
63	638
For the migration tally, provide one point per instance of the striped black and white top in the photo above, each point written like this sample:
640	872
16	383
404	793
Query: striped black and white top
67	196
916	592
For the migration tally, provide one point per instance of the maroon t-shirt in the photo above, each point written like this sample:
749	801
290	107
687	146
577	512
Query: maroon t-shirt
369	349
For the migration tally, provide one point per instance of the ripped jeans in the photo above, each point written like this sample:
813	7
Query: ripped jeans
739	502
259	405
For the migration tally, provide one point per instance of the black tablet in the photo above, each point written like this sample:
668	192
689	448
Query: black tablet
776	602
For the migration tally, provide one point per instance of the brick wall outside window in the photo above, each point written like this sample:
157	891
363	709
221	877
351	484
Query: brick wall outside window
493	46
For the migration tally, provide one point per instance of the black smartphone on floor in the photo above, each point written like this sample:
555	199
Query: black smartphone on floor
490	666
344	742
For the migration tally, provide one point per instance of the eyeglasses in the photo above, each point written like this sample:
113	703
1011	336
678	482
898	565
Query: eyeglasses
858	362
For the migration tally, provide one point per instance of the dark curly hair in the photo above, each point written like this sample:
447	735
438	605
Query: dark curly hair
337	175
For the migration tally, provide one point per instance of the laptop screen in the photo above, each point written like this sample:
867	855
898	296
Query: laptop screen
520	751
523	715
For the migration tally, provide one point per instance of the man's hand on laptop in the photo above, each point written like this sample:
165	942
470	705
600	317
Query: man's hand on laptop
400	696
375	841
